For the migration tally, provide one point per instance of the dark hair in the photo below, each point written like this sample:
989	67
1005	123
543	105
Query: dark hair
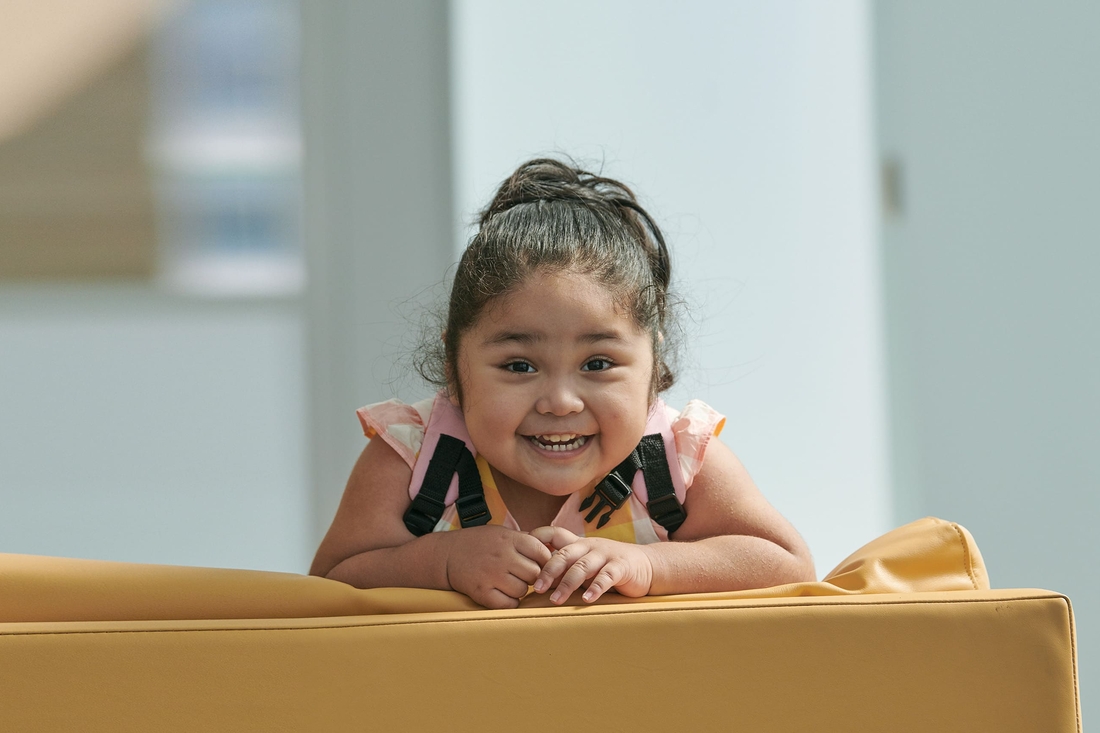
551	216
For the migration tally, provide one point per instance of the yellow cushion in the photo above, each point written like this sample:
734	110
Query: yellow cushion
927	555
225	650
950	661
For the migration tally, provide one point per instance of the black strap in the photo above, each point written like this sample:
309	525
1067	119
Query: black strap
611	493
472	509
451	455
664	508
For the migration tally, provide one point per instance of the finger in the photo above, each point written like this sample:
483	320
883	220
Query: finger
513	586
494	598
533	548
554	537
608	577
558	563
585	567
525	569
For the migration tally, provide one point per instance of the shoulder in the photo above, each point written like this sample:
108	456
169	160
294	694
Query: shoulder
696	418
399	424
692	429
370	512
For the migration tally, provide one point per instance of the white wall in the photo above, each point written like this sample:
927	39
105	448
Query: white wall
146	428
378	213
746	129
992	111
140	426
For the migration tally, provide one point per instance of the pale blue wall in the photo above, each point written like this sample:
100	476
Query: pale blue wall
142	427
992	111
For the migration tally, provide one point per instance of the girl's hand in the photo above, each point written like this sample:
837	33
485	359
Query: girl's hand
493	565
604	563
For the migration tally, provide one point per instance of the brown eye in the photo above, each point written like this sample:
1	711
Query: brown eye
519	367
596	365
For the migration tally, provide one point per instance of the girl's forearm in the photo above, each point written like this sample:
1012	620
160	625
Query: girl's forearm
728	562
420	563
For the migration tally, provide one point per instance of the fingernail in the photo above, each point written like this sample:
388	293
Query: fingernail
589	595
540	585
556	597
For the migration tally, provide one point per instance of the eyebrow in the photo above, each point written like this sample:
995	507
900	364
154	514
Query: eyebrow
529	338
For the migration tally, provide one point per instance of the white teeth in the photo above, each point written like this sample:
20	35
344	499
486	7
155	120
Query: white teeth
558	438
577	442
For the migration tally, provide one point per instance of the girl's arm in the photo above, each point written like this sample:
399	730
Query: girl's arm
732	539
364	521
368	545
732	536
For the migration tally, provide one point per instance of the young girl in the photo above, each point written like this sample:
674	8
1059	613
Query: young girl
547	447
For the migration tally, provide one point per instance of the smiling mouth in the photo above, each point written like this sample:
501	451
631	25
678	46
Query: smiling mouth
558	443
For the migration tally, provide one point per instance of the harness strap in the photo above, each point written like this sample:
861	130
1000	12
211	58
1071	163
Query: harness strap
611	493
664	508
451	455
471	506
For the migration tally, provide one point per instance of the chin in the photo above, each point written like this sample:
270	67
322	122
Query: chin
556	490
559	489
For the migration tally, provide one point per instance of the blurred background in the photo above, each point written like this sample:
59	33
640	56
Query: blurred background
221	219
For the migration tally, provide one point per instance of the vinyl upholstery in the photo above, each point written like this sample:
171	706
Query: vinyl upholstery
905	635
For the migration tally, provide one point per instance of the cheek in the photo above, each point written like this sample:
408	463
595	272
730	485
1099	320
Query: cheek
626	420
480	396
489	413
465	383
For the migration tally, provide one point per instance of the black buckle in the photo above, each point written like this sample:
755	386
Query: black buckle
667	511
612	493
423	514
472	510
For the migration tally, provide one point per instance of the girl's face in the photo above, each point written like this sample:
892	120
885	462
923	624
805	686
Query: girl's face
555	383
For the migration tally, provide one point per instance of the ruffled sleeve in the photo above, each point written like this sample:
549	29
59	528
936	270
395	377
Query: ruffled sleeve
692	429
399	424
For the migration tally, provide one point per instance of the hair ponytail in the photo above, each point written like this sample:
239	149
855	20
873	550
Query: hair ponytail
552	216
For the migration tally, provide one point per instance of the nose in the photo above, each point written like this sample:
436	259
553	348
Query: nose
559	398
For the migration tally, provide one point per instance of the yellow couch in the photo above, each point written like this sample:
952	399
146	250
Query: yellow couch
905	635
